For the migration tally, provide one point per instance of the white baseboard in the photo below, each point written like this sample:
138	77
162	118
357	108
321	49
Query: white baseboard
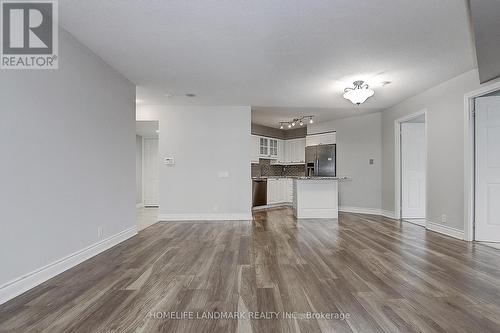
445	230
371	211
24	283
139	205
206	217
282	204
419	222
388	213
360	210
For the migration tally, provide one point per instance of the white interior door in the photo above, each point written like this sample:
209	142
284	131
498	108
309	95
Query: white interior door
413	157
487	201
150	169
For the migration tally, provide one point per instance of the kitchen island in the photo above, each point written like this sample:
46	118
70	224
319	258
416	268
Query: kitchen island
315	197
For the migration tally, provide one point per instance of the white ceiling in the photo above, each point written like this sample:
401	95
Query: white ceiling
271	116
276	55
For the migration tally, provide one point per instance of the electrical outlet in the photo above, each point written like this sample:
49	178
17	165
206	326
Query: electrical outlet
443	218
99	232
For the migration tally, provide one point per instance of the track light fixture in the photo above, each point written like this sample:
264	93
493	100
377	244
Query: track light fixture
295	121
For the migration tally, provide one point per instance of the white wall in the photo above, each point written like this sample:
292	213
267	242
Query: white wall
358	140
67	139
138	169
148	112
445	153
205	142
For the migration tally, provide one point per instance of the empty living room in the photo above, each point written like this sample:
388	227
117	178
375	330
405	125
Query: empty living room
249	166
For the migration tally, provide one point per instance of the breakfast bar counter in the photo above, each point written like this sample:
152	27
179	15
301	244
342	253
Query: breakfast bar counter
315	197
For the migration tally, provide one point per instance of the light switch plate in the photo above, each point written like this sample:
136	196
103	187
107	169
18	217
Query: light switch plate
223	174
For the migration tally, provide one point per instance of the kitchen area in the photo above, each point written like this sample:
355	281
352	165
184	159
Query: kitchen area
291	168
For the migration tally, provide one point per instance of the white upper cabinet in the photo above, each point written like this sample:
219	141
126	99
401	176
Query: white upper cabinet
321	139
288	151
280	159
300	146
281	151
264	147
295	151
268	147
277	150
273	148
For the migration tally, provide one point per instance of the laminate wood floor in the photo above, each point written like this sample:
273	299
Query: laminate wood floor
380	274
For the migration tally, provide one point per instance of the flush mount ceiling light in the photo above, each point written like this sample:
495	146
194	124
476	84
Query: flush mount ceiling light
295	121
359	94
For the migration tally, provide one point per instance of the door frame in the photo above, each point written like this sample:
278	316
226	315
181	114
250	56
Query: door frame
469	156
397	161
143	163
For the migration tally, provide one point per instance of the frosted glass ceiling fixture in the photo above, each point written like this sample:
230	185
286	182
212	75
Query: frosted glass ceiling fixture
359	94
295	121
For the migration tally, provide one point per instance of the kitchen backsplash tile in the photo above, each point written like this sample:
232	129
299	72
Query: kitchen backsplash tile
265	169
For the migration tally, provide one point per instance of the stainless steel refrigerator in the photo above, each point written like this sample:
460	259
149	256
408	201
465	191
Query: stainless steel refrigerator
321	161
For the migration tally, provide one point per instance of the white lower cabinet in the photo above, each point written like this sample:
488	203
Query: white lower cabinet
272	185
279	190
289	189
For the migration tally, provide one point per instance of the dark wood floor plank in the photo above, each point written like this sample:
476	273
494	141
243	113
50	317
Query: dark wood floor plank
384	275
